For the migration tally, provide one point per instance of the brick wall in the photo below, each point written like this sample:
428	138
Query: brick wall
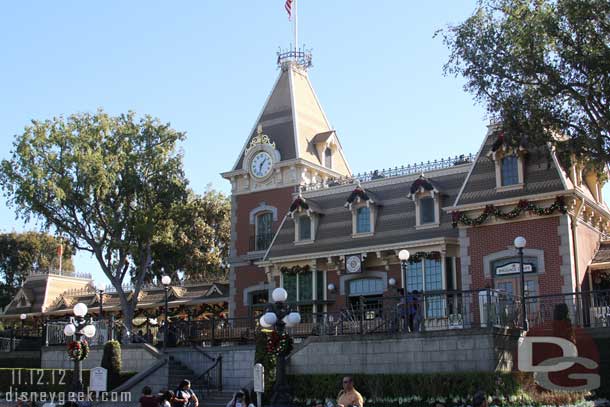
540	233
278	198
246	276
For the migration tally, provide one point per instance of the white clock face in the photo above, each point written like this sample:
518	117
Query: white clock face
353	264
261	164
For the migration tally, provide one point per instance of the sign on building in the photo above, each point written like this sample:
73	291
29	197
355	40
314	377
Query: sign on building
513	268
98	379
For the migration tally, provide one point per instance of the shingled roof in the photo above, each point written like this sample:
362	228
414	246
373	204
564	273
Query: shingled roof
541	175
395	222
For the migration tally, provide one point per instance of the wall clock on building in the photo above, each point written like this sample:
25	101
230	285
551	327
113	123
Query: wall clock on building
353	264
261	164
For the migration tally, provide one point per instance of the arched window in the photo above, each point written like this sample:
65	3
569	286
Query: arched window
328	158
264	230
510	170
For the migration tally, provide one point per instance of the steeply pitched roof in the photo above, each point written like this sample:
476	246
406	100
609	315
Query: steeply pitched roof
292	117
541	175
603	253
395	220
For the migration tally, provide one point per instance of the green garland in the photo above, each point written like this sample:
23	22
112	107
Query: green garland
78	350
419	256
296	269
523	206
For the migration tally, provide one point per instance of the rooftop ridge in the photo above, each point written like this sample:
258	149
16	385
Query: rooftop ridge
410	169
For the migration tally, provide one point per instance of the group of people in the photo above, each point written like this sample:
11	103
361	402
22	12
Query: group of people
410	311
184	396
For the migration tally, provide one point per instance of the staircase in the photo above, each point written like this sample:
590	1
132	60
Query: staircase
217	398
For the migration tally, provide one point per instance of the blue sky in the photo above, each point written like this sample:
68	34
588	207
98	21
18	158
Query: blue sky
207	66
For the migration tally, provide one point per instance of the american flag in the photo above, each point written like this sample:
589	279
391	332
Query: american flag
288	7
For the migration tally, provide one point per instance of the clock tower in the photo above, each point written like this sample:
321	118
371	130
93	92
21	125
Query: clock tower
292	143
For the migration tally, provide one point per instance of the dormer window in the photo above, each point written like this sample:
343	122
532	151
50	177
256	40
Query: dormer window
363	206
363	220
304	227
328	158
510	170
305	215
427	203
508	155
427	213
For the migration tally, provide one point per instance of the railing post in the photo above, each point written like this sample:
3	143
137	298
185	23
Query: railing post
213	329
220	373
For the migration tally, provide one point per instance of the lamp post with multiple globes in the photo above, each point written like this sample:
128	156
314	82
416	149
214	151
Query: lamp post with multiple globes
80	325
166	281
279	317
520	243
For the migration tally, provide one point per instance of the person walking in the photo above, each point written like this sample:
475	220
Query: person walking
147	399
349	396
166	399
184	396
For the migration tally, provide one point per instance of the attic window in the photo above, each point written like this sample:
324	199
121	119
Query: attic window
363	220
304	227
426	197
328	158
510	170
508	155
426	211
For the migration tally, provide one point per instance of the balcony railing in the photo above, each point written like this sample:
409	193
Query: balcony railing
411	169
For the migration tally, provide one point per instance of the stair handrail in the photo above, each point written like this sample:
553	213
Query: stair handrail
208	373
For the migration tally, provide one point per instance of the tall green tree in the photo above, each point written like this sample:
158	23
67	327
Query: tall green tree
109	184
29	252
542	67
195	241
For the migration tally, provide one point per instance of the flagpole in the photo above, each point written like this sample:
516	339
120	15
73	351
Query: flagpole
296	29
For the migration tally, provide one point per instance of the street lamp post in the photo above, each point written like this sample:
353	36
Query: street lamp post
280	316
404	255
22	317
100	290
520	243
80	325
166	281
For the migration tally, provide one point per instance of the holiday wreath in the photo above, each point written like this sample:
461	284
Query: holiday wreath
279	344
78	350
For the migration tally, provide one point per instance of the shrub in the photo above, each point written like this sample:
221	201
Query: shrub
111	361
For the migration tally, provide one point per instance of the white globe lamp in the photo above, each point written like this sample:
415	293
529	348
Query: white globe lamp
294	318
80	310
270	318
331	287
69	330
520	242
166	280
403	255
392	281
279	295
263	323
23	317
89	331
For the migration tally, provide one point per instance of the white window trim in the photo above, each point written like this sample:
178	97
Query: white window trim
372	213
297	232
437	210
497	157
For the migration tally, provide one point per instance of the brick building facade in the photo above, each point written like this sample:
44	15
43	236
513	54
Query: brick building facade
302	220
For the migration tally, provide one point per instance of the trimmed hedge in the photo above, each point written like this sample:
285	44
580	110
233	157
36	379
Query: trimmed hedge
44	380
448	389
402	385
